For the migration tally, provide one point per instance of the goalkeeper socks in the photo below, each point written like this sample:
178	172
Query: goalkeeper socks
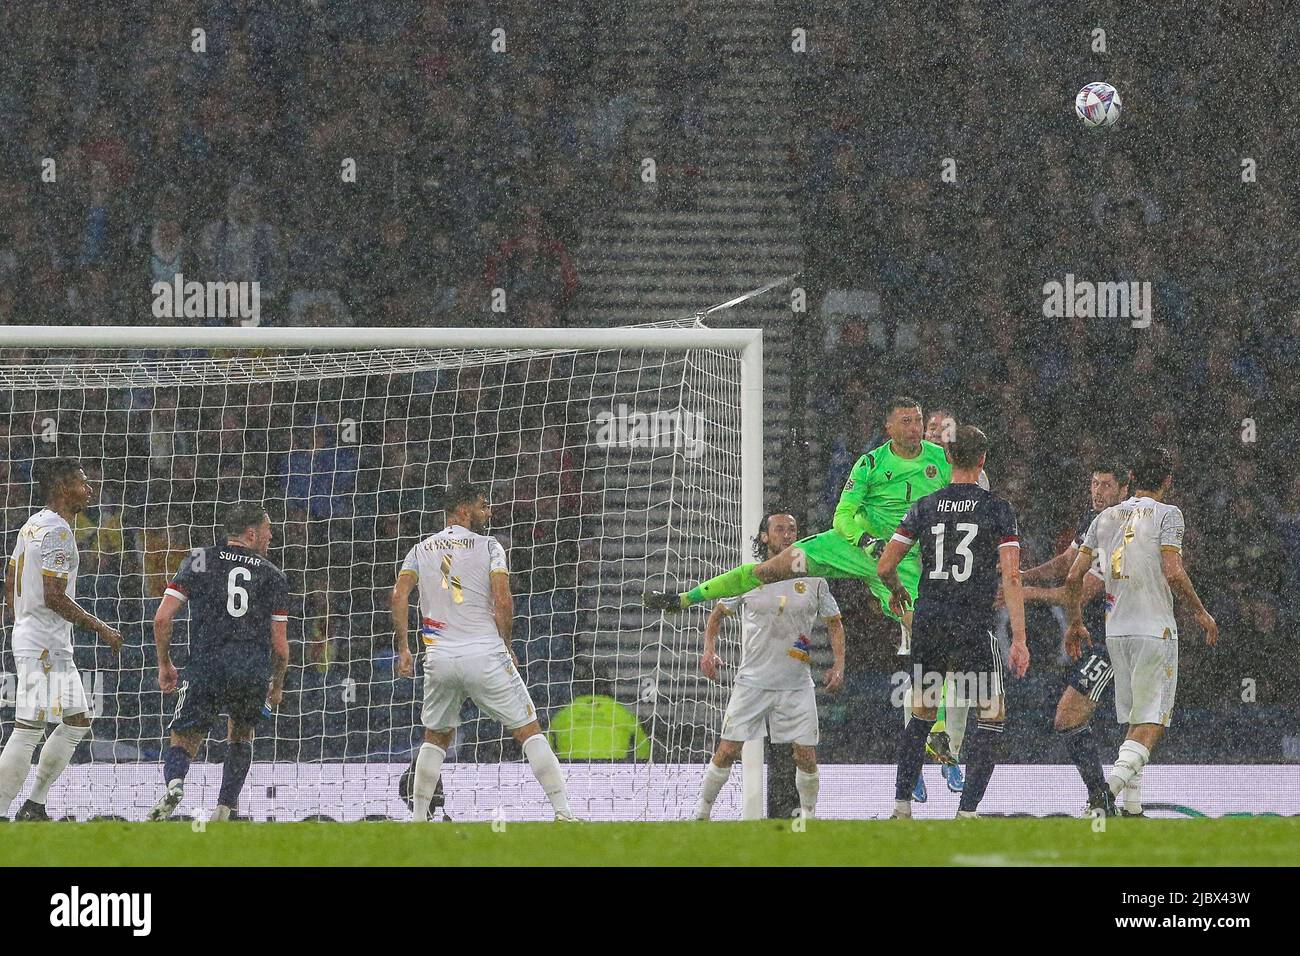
55	757
714	778
176	764
1082	748
428	765
911	755
807	784
982	756
15	761
239	757
1132	758
732	583
546	768
1133	794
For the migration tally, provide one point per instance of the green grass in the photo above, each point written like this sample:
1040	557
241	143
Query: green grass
989	842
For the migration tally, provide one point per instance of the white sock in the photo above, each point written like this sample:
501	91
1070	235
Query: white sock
955	719
1132	758
546	768
714	779
15	761
1133	794
807	784
55	757
428	764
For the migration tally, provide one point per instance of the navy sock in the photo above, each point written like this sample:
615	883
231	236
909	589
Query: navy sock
1082	748
239	757
983	749
911	755
176	764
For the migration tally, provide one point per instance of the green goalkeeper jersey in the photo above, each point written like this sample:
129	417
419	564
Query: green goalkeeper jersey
883	486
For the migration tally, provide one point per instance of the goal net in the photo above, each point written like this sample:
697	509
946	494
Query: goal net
617	460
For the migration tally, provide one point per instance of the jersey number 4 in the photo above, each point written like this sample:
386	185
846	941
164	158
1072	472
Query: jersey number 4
963	552
450	581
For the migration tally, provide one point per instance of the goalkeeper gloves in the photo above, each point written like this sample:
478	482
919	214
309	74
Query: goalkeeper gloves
873	546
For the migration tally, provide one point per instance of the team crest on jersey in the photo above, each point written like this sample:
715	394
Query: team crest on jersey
800	587
931	471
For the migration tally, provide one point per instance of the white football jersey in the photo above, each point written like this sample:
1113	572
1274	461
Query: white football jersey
45	547
454	568
1127	539
777	622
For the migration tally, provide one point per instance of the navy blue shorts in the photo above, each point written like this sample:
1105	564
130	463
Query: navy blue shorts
971	654
1094	674
212	690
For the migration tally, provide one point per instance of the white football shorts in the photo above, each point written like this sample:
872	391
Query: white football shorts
1146	677
489	679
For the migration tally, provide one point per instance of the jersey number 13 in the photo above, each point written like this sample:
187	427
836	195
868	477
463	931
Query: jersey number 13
958	573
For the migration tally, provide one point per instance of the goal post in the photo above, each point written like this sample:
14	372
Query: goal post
169	419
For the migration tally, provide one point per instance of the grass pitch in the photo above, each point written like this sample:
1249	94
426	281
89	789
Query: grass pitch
1267	841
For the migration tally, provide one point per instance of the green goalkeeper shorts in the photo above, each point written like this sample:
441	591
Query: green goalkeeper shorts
830	556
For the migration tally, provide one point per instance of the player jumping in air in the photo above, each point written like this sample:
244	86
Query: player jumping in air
1094	676
963	536
41	588
239	649
467	615
881	487
1139	543
773	687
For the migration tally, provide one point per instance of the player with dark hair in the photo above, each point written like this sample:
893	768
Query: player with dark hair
1094	675
239	646
964	536
1138	544
773	692
466	620
41	592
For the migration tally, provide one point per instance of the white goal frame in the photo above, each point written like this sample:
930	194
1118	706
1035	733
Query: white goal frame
747	341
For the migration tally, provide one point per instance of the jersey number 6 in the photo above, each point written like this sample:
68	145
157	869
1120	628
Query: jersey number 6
237	597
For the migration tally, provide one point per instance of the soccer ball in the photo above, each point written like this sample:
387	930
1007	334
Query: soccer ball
1098	105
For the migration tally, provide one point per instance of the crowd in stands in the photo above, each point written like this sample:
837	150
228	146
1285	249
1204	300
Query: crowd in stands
367	164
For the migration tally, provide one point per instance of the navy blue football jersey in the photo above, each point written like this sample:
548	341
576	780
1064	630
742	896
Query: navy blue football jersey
234	594
960	529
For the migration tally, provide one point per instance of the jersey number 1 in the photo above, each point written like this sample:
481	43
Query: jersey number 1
963	552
